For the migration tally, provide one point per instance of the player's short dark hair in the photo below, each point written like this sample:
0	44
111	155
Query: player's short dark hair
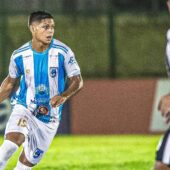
38	16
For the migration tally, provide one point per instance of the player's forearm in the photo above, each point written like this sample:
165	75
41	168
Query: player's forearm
75	85
6	88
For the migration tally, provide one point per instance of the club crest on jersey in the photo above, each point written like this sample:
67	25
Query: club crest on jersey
53	71
37	153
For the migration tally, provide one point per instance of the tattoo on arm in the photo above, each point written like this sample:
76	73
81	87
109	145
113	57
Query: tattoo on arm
75	83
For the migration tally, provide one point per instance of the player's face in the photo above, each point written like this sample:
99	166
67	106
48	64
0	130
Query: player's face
43	31
168	4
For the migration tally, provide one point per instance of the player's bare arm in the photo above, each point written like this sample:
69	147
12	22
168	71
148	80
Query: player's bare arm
168	4
75	83
6	87
164	107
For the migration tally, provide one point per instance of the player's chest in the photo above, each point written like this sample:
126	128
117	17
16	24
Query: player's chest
35	66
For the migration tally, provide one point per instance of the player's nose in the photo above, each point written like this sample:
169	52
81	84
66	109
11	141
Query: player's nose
51	30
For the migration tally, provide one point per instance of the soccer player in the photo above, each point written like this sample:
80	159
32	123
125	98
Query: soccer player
163	150
42	66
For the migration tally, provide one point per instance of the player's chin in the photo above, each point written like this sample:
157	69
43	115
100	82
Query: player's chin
47	41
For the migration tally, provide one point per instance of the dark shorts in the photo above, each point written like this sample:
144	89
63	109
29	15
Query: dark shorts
163	149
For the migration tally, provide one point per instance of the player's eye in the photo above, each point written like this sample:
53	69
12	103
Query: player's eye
46	27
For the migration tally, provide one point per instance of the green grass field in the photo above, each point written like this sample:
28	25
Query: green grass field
97	153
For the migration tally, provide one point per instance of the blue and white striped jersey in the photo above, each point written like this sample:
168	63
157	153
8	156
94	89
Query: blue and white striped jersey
42	77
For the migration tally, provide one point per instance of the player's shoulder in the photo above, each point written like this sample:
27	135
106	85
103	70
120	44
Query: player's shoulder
168	34
21	49
61	46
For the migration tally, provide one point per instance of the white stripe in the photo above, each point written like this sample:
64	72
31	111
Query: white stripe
166	154
57	42
53	81
29	76
168	52
159	144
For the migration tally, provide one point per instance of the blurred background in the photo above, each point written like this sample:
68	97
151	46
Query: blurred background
120	47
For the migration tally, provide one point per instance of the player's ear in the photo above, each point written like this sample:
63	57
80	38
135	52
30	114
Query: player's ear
32	28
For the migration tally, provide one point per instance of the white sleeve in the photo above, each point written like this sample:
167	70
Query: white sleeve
168	51
71	66
13	71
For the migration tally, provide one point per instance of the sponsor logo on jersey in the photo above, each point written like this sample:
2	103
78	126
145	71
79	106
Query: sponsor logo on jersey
72	60
53	71
37	153
27	56
27	71
43	110
42	89
55	56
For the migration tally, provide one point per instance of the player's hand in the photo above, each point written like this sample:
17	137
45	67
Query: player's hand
164	107
57	100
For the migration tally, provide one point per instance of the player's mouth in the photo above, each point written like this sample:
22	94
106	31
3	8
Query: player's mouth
49	38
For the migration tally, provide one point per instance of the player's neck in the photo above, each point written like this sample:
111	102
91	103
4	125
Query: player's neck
39	46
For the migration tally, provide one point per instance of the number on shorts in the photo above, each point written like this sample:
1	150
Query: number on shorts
22	122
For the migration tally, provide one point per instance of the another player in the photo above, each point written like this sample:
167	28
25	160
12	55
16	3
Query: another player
42	66
163	150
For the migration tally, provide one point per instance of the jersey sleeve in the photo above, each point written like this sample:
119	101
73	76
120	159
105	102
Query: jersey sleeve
13	70
71	66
